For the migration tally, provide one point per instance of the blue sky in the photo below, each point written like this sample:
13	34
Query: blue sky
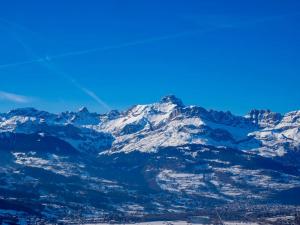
220	54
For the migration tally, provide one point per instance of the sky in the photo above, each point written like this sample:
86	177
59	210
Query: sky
219	54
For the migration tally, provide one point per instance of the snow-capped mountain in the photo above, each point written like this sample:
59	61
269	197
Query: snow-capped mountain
162	160
169	122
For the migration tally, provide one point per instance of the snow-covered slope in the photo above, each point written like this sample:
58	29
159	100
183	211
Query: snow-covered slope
166	123
72	127
280	137
161	160
170	123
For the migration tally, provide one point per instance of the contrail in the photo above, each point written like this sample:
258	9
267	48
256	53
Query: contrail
46	61
105	48
8	96
80	87
50	66
90	93
21	63
137	42
127	44
72	81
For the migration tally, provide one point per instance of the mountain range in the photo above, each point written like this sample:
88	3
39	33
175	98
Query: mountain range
154	161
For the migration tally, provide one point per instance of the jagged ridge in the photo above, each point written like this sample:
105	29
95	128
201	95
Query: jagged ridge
166	123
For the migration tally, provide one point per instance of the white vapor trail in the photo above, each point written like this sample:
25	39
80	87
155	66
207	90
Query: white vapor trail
137	42
96	98
12	97
126	44
46	62
105	48
72	81
77	85
89	93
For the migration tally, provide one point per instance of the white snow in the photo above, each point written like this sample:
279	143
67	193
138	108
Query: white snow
163	124
53	163
180	182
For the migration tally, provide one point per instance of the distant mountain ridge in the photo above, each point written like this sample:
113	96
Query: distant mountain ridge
156	161
165	123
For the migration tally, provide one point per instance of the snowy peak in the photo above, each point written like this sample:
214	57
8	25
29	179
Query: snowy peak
28	112
165	123
264	118
23	111
83	110
113	114
172	99
291	118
